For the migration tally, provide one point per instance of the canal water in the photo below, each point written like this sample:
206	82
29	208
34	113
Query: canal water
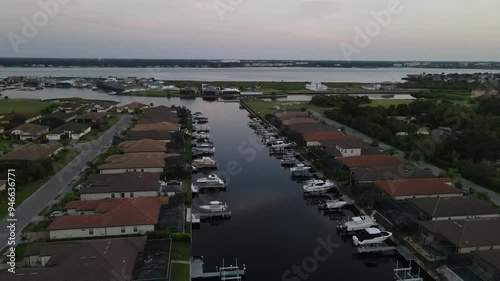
272	230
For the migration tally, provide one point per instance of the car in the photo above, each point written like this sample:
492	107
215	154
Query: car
57	214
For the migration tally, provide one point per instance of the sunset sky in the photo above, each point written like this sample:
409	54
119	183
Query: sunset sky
253	29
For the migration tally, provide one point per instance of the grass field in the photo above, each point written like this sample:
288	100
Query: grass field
180	272
262	108
23	106
181	251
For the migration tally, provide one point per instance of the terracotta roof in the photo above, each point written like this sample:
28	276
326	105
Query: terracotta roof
135	105
135	161
153	120
162	126
93	116
144	145
466	233
31	152
159	111
30	129
111	212
325	136
311	128
299	121
98	259
414	187
154	135
126	182
290	113
347	143
370	161
453	206
389	173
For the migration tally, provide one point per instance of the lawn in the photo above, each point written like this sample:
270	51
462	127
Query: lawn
180	272
262	108
23	106
181	251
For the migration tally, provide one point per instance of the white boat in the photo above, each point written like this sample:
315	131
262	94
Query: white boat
204	162
318	186
288	160
272	140
215	206
204	148
371	235
201	127
212	180
200	141
94	88
334	204
280	145
200	117
201	135
358	223
300	170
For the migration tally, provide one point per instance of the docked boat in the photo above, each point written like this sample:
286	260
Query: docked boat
201	128
371	235
94	88
204	162
314	186
289	160
211	180
272	140
200	141
199	117
201	135
358	223
280	145
300	170
204	148
215	206
334	204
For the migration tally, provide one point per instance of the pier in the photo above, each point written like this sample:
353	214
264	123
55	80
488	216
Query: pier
224	272
198	217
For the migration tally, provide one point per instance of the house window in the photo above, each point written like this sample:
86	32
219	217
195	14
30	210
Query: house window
135	229
123	229
123	195
91	231
112	195
131	194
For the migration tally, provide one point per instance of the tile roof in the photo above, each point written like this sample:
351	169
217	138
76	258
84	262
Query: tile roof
370	161
60	115
31	152
111	212
126	182
135	105
162	126
466	233
154	135
135	161
70	127
492	257
30	129
82	260
364	174
326	136
295	121
153	120
453	206
415	187
311	128
93	116
159	111
144	145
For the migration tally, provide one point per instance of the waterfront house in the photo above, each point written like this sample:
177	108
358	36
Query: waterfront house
144	145
369	161
31	152
72	106
72	131
92	117
320	138
159	111
460	236
134	162
29	131
300	120
132	107
210	91
162	126
190	90
56	119
316	86
108	217
81	260
367	175
163	136
159	119
453	208
126	185
417	188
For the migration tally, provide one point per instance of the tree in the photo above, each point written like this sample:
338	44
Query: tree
392	151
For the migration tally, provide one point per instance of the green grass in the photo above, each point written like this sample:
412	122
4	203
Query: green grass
180	272
181	251
387	102
262	108
22	106
95	134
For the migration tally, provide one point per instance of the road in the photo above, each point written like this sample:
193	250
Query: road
59	183
495	197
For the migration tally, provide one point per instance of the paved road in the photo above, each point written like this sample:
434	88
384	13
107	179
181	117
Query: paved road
495	197
59	183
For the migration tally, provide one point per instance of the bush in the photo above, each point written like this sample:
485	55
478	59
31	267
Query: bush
181	237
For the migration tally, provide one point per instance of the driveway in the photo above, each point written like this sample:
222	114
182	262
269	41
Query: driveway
59	183
495	197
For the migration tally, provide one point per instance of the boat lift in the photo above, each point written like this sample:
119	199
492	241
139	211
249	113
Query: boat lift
224	272
404	274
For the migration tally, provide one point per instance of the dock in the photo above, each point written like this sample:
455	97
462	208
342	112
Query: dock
198	217
375	249
224	272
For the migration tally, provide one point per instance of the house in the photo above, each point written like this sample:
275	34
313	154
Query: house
126	185
418	188
453	208
209	91
171	188
190	90
464	236
81	260
366	175
102	106
56	119
108	217
132	107
294	121
163	136
159	119
92	117
72	106
29	131
162	126
134	162
72	131
316	86
159	111
144	145
369	161
31	152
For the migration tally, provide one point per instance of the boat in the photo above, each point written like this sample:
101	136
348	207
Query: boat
201	127
200	117
215	206
334	204
211	180
371	235
280	144
204	148
204	162
201	135
200	141
358	223
289	160
300	170
318	186
94	88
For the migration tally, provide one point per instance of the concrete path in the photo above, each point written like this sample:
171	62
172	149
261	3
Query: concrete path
60	183
495	197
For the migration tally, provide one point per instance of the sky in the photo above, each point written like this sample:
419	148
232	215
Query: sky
460	30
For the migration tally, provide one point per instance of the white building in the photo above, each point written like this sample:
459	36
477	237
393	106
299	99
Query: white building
316	86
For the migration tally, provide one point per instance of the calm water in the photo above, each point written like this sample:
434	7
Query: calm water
236	74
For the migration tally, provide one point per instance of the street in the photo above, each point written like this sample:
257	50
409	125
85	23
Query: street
59	183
